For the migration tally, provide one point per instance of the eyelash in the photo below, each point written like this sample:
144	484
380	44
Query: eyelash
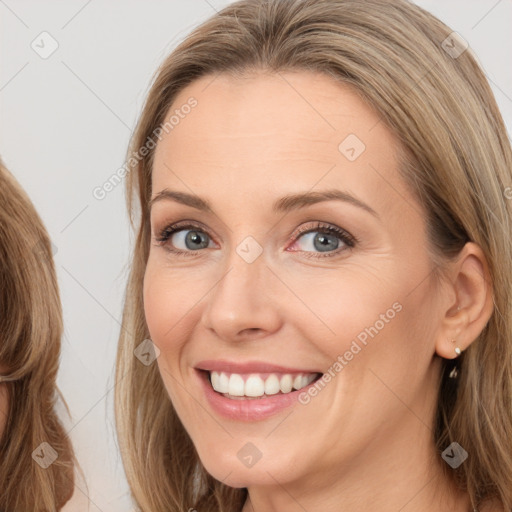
349	240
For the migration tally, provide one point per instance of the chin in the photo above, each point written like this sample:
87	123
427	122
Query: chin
227	467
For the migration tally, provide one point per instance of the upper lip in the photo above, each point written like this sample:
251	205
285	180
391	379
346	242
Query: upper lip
222	365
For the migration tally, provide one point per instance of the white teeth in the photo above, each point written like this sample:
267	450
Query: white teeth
223	383
215	378
307	380
286	383
255	386
272	385
236	385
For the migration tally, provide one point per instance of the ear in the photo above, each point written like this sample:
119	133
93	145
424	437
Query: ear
469	303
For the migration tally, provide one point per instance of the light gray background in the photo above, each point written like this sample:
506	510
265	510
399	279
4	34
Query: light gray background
64	128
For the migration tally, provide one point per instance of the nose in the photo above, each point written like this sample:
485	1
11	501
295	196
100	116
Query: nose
244	303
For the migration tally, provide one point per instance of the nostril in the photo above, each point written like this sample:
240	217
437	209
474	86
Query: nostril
250	333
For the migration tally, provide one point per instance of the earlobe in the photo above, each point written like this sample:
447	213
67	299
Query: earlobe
471	285
454	325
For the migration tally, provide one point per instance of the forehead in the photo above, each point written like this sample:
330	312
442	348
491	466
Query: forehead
287	131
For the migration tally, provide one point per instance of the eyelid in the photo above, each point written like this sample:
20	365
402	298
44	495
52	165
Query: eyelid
342	234
181	225
321	226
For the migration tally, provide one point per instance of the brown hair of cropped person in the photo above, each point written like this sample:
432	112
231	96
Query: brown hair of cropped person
30	340
457	159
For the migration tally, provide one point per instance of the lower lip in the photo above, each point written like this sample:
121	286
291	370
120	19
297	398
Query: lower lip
254	409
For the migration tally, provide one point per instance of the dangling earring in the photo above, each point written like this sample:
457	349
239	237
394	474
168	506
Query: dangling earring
454	373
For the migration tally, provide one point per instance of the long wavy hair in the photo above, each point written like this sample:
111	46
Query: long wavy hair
30	339
457	160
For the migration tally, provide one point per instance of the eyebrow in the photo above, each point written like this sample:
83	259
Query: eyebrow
284	204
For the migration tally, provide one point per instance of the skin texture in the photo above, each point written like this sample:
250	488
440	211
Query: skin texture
365	440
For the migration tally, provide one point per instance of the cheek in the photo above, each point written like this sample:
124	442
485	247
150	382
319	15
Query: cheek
167	300
155	304
342	306
172	300
163	309
362	317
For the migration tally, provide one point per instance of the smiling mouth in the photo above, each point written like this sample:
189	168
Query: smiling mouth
252	386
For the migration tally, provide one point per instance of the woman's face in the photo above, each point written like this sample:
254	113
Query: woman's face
275	284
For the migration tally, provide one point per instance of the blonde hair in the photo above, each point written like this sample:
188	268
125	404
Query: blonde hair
457	160
30	338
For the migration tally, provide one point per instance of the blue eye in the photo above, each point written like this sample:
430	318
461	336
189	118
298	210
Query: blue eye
190	236
326	239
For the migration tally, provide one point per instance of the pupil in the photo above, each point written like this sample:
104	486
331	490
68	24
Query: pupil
195	238
324	242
